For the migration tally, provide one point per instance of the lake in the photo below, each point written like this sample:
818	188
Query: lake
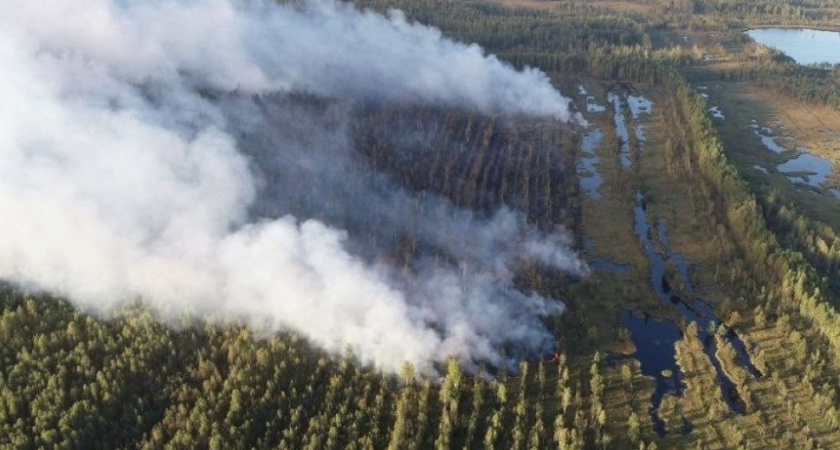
805	46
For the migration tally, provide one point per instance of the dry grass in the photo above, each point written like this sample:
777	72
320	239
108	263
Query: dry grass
541	5
627	7
814	126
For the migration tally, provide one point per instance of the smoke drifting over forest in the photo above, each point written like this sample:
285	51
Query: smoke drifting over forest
138	161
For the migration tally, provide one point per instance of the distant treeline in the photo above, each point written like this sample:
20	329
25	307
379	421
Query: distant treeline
500	29
811	84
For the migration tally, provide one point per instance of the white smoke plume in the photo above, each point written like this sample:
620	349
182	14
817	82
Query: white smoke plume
119	179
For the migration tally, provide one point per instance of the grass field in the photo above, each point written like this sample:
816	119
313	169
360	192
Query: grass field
810	125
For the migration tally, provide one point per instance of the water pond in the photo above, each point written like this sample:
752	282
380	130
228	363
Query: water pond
805	46
621	129
655	339
806	168
638	106
590	179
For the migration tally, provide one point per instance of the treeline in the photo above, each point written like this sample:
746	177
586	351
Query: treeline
777	11
749	9
499	29
818	242
741	13
810	84
616	63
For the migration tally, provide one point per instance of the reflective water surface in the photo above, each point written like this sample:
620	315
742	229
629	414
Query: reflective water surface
803	45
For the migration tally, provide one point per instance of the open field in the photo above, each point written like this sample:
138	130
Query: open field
538	5
809	126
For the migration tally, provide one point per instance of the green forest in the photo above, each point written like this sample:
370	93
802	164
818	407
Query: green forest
759	369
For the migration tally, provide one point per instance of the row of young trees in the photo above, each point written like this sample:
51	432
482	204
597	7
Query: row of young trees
477	161
70	380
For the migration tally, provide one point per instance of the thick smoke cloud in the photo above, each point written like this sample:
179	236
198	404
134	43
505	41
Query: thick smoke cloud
324	48
119	179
